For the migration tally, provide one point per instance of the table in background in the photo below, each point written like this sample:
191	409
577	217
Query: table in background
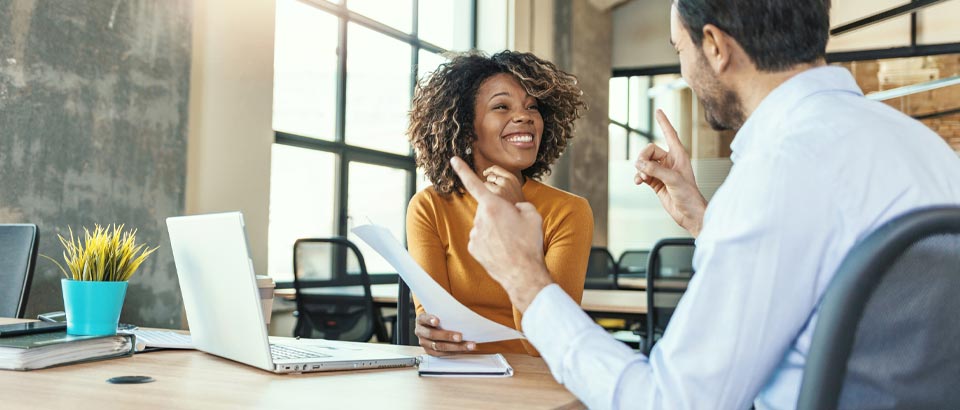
641	283
594	300
192	379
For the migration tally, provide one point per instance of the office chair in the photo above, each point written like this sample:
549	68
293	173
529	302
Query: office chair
601	270
322	263
633	263
403	330
669	269
18	258
887	331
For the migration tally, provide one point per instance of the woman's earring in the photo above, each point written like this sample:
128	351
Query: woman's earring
469	150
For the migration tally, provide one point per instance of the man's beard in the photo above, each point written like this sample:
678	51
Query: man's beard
721	106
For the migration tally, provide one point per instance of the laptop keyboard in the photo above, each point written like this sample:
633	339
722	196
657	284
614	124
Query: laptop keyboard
281	352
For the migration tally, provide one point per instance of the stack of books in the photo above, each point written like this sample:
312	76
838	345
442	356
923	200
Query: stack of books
42	350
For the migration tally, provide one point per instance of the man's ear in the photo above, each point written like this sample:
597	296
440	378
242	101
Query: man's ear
716	48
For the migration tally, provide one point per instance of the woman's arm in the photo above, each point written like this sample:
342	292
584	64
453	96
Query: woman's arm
426	248
568	251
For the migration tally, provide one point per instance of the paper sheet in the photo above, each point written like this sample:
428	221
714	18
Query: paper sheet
435	299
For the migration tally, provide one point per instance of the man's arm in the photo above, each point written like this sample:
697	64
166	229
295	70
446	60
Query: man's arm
758	280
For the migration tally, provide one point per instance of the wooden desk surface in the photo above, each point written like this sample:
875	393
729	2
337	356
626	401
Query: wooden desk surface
192	379
594	300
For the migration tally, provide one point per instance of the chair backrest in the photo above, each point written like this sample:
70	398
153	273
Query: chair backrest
403	332
601	269
669	269
888	332
18	257
633	263
333	262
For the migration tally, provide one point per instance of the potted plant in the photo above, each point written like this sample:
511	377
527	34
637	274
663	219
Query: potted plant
98	267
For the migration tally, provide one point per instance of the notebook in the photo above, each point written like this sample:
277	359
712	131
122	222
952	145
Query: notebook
222	302
42	350
473	365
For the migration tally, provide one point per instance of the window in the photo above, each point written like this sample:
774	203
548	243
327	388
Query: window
633	101
344	77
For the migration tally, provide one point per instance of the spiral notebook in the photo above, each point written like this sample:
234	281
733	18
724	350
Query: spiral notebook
473	365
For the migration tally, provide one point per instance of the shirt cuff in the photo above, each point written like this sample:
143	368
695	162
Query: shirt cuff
554	323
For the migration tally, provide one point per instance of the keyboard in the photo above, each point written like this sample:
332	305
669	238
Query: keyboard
281	352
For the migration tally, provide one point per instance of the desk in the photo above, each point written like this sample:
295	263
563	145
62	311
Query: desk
385	294
594	300
641	283
192	379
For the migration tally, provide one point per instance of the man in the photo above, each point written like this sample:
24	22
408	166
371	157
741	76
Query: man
816	167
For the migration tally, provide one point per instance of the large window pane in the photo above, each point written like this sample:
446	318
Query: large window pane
422	180
376	194
637	142
427	62
618	99
631	206
305	69
445	23
378	90
617	142
492	21
667	98
394	13
301	203
639	104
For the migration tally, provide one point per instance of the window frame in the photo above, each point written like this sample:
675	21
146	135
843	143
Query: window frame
346	153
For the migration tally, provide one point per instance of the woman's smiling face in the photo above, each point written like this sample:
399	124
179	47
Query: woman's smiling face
507	124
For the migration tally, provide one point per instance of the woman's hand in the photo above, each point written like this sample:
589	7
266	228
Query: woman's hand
504	184
439	342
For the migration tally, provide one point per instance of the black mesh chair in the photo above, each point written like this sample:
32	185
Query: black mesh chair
18	257
633	263
601	270
888	331
333	292
403	331
669	269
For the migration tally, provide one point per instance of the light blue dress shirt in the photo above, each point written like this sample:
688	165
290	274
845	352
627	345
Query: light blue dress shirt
816	168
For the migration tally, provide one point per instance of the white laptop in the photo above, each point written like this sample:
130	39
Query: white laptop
223	306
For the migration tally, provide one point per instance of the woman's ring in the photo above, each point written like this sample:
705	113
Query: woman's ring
433	345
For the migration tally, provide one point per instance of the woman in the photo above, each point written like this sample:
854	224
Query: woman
509	116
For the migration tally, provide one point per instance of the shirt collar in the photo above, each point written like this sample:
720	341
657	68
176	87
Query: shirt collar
781	101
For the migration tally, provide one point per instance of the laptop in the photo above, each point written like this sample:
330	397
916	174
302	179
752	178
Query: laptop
223	307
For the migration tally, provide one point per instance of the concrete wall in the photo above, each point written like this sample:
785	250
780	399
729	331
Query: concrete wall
577	36
641	34
93	121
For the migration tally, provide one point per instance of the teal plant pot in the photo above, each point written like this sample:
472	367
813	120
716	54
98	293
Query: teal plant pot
93	308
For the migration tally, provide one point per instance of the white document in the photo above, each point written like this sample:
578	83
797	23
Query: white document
435	299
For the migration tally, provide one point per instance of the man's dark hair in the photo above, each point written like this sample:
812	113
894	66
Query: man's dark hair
776	34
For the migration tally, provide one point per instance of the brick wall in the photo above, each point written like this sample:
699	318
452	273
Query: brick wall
880	75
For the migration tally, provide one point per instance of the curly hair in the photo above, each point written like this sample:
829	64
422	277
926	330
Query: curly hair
442	117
